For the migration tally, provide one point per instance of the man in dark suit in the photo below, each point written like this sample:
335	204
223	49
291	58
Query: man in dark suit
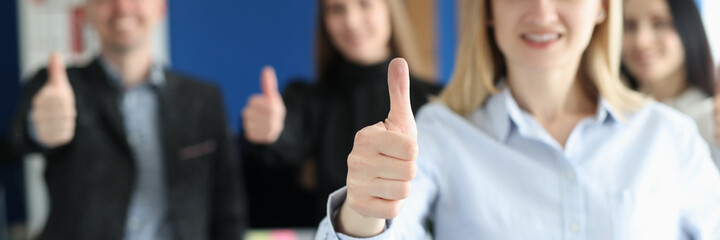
133	151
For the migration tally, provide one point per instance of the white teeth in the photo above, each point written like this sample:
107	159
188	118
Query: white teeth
546	37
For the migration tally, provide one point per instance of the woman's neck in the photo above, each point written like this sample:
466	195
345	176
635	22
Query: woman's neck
665	88
555	98
377	57
548	95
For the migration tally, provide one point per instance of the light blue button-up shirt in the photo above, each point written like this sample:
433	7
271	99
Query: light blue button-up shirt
147	213
497	174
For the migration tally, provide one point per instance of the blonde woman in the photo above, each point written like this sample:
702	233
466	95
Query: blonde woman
535	137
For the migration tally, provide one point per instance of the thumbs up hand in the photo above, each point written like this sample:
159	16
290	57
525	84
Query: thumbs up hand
264	114
382	163
53	107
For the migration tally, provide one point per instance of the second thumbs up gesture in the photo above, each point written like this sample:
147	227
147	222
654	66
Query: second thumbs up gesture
382	162
53	107
264	115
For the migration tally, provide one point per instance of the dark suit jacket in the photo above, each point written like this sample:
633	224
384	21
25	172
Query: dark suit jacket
90	180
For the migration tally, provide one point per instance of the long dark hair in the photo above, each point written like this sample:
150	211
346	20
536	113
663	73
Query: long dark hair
698	61
402	42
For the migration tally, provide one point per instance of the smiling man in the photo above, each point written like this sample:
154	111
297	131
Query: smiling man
133	150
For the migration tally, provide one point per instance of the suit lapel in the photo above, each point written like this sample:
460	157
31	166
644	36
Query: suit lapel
170	118
109	102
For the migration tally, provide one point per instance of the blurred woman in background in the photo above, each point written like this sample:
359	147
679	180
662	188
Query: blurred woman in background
300	140
666	55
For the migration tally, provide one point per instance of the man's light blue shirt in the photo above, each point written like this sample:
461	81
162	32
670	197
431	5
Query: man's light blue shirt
147	216
498	174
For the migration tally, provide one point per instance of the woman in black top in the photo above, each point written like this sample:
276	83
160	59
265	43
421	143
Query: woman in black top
296	145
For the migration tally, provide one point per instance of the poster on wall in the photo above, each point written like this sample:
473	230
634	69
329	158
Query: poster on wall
59	25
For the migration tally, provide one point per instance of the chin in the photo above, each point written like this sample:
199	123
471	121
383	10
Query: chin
644	77
357	58
545	64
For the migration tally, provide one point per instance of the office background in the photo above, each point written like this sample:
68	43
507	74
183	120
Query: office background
228	41
224	41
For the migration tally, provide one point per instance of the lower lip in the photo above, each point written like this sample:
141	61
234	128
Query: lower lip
539	45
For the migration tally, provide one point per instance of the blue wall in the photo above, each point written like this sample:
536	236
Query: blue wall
9	62
229	41
226	42
447	37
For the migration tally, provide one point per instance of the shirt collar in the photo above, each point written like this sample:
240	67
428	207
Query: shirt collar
607	113
503	114
156	77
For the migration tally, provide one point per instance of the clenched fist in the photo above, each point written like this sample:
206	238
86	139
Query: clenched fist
264	115
382	162
53	107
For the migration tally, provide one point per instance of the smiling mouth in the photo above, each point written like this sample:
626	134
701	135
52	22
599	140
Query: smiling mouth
542	38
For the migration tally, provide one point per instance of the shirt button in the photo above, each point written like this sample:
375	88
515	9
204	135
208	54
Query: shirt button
574	227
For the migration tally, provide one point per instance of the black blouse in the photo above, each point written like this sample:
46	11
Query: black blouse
320	126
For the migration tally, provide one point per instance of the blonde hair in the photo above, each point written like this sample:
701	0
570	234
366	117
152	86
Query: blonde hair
480	65
402	42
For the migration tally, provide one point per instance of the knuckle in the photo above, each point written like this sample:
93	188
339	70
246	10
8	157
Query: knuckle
254	101
356	163
410	171
350	182
404	190
362	137
410	148
392	210
280	107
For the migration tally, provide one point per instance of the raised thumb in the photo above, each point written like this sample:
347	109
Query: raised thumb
268	82
57	76
400	118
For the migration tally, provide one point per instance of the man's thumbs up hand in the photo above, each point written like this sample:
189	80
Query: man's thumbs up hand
53	107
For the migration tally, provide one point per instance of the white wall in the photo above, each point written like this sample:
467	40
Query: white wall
711	17
45	27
